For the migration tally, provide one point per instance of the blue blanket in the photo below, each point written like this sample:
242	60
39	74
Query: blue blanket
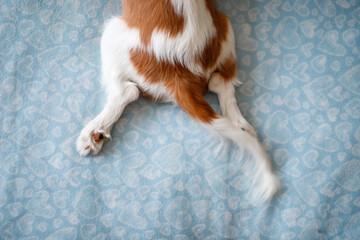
163	176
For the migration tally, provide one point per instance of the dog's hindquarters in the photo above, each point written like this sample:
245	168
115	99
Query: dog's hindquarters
128	64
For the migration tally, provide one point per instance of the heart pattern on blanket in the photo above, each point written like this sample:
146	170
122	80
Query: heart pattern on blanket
26	26
350	80
69	14
266	74
130	216
308	27
276	128
246	42
167	158
350	180
323	139
306	187
39	205
88	202
286	33
301	7
329	44
163	175
316	91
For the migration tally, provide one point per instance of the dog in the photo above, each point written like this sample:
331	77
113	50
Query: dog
175	51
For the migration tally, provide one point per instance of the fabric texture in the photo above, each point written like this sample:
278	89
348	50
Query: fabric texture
163	176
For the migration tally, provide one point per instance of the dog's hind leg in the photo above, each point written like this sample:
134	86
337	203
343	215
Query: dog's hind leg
266	181
225	90
235	127
94	134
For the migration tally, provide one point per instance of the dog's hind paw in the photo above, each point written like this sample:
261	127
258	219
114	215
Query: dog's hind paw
91	143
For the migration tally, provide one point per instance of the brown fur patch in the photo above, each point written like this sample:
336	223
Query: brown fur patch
227	69
212	49
186	88
150	15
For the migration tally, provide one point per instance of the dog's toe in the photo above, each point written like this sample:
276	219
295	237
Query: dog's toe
84	145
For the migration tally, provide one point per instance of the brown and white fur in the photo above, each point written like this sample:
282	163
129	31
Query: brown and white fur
175	51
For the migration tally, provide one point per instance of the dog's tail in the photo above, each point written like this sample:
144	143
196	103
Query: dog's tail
196	106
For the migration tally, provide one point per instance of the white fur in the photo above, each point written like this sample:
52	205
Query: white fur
183	48
118	99
228	104
121	81
265	180
235	127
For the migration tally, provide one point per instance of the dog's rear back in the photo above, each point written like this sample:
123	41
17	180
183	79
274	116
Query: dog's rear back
175	50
